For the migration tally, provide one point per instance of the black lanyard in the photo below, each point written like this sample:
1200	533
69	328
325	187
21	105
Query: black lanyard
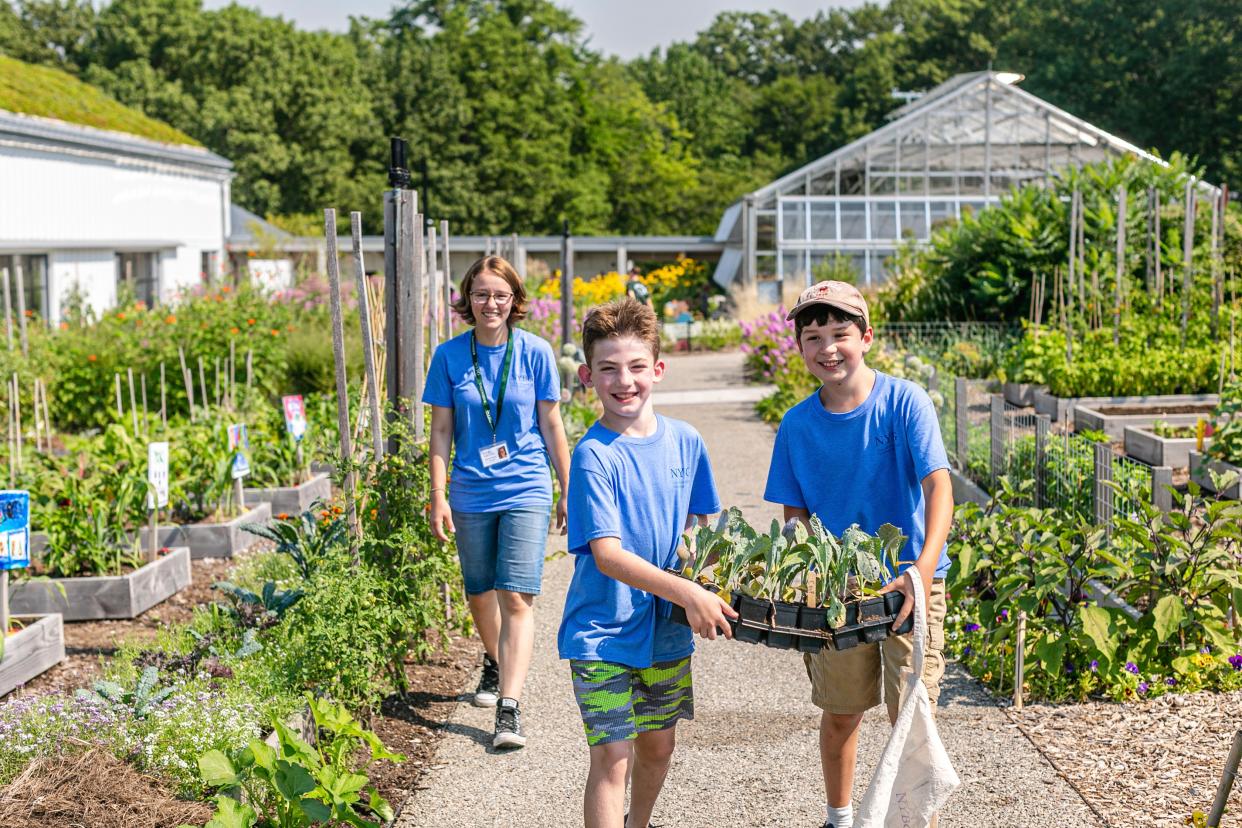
504	380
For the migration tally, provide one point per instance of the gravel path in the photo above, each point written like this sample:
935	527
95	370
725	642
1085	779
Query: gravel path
750	756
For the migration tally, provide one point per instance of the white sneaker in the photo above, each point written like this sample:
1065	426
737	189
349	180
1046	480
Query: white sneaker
488	691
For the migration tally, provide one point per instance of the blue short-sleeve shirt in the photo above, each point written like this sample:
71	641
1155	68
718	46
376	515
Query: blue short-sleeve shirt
640	490
523	479
864	466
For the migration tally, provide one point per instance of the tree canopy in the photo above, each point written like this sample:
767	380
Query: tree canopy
516	125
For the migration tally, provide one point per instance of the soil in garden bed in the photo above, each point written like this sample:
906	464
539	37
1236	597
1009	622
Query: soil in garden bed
87	642
1125	410
37	570
414	725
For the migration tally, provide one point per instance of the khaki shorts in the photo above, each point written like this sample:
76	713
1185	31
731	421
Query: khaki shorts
849	681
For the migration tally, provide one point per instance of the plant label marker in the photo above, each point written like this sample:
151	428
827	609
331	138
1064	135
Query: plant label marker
295	424
14	545
157	498
239	444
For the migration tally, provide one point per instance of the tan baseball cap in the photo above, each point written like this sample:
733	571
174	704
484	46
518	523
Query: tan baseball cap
840	295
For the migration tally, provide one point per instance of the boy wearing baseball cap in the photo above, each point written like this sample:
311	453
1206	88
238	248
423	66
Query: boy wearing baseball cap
864	449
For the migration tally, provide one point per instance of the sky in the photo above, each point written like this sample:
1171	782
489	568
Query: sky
626	28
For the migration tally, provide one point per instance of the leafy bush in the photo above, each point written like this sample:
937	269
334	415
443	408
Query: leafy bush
1227	433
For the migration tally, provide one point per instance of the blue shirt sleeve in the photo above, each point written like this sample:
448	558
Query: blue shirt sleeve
782	486
593	509
547	378
923	438
704	500
439	387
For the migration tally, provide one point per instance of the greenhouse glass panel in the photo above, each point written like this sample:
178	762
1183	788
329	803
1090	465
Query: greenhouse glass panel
824	184
913	219
942	183
793	267
972	184
853	220
823	220
765	266
765	221
879	266
942	212
883	183
883	220
793	221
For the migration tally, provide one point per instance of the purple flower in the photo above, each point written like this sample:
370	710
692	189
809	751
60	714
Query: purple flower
1142	688
1003	617
1235	661
1095	666
1172	682
967	650
1207	649
972	627
1131	667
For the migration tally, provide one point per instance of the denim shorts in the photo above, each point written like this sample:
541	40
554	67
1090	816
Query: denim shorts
503	550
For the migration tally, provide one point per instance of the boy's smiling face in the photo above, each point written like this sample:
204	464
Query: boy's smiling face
622	372
834	351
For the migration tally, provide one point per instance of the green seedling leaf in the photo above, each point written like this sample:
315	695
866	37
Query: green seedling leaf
217	769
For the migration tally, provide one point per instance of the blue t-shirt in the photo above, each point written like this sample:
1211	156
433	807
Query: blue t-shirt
641	490
864	466
523	479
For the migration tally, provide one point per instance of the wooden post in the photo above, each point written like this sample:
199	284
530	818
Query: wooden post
47	417
1218	219
202	381
1226	782
133	402
368	351
403	324
1161	480
1103	495
8	395
249	371
239	494
342	387
448	283
1158	247
120	410
8	308
216	388
433	292
996	423
1019	658
1073	238
154	532
1188	252
961	422
189	384
17	418
38	416
1042	425
21	309
420	360
163	399
146	426
1121	263
232	374
567	285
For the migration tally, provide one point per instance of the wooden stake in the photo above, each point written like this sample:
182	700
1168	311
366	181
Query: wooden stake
154	531
1217	287
12	437
448	283
1121	263
17	419
1019	657
249	371
239	495
133	402
120	410
146	426
368	348
47	417
1188	251
202	382
342	387
8	308
232	375
216	388
189	384
4	603
21	308
433	292
1159	250
1073	238
38	416
163	399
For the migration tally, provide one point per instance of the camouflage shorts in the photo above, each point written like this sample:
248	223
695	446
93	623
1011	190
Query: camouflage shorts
619	702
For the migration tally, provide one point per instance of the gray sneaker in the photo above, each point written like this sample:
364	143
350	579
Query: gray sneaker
488	691
508	725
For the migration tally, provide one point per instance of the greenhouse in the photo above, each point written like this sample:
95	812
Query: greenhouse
957	148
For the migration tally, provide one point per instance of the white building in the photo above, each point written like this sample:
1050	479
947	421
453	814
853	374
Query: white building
93	209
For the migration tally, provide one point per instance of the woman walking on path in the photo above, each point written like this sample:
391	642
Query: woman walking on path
495	394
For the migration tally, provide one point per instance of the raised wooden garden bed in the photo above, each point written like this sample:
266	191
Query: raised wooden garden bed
1199	465
1113	418
89	598
212	540
1060	409
293	500
31	651
1154	450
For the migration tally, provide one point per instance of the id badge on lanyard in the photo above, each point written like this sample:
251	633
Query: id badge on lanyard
499	451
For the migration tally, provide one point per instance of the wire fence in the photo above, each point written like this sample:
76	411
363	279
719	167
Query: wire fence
989	438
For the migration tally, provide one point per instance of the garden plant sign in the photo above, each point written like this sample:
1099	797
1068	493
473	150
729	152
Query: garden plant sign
295	423
157	493
239	444
14	547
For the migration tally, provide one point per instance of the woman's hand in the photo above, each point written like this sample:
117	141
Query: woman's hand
441	516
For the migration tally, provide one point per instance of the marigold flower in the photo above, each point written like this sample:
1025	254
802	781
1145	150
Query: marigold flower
275	332
250	321
336	510
91	357
283	516
225	288
374	513
325	513
121	316
233	330
170	319
64	326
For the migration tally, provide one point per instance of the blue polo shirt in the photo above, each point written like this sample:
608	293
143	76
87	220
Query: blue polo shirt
523	479
864	466
640	490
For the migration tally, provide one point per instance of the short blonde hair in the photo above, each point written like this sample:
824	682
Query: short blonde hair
619	318
496	266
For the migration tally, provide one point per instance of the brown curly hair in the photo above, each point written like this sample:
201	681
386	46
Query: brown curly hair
496	266
617	319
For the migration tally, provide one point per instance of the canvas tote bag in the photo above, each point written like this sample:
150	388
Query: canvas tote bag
914	777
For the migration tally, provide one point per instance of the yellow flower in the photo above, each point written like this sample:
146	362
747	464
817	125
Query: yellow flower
987	677
1202	659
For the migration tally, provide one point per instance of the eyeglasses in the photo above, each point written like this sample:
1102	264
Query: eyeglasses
481	297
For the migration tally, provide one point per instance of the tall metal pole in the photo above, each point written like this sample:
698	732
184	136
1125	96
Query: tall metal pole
567	284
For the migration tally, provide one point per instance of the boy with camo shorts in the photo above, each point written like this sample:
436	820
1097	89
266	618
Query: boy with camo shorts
637	481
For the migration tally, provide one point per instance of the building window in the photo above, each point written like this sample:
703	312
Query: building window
140	273
209	266
34	282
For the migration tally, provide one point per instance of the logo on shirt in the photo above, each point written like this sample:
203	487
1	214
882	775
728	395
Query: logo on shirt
681	475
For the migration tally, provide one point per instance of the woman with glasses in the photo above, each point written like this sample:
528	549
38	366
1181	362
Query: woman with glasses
495	394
